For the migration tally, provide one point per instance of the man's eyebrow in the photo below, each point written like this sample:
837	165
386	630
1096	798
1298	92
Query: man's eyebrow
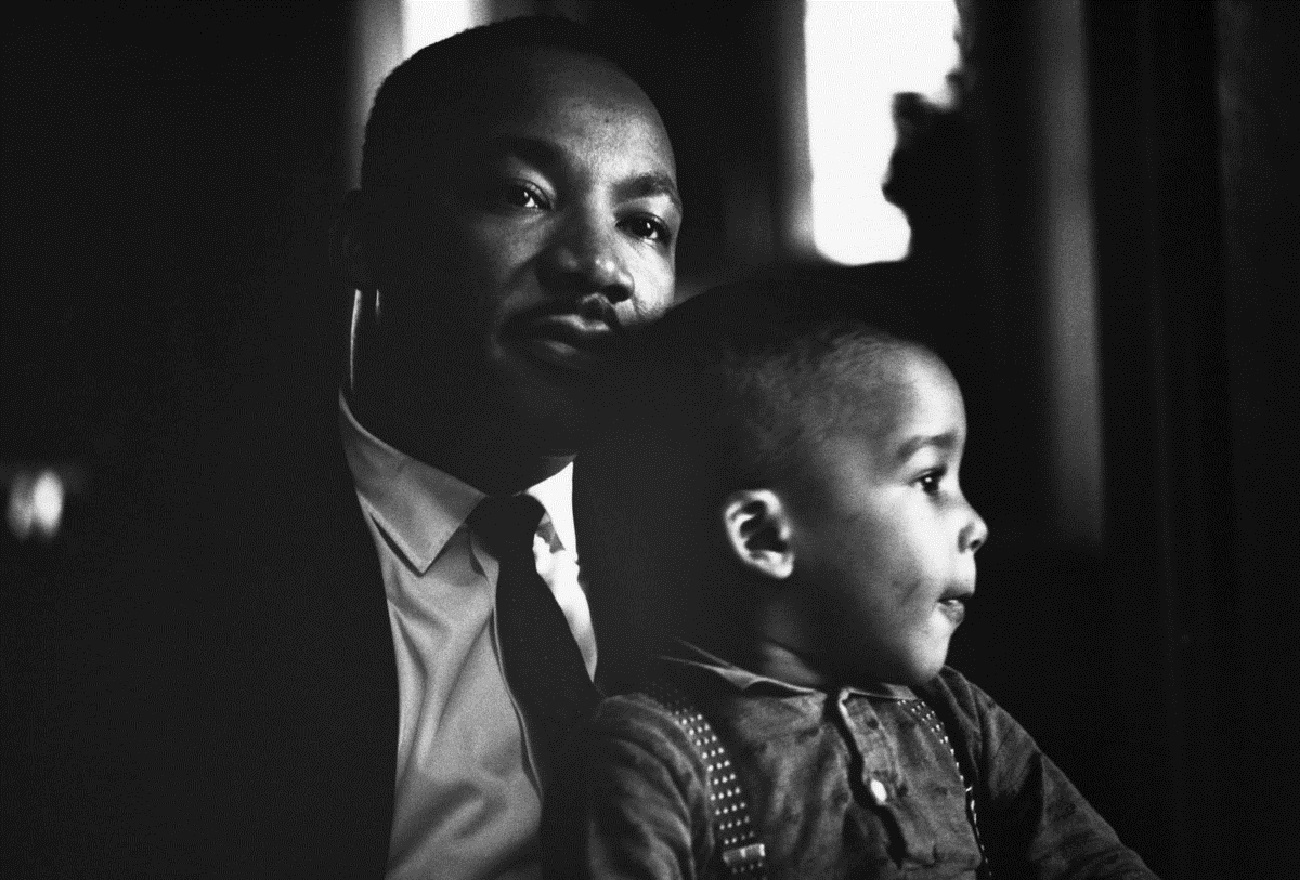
945	442
528	148
651	183
548	155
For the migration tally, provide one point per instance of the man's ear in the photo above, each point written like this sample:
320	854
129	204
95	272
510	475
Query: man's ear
348	244
349	254
758	531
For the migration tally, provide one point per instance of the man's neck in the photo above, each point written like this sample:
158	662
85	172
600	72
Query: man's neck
496	462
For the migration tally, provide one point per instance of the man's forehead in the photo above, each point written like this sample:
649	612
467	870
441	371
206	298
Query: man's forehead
552	101
540	82
555	67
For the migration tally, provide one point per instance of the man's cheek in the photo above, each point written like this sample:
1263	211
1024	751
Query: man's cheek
654	292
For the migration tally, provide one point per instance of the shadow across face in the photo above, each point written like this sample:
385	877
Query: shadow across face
542	219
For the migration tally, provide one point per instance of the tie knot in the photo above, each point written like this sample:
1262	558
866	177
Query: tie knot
507	525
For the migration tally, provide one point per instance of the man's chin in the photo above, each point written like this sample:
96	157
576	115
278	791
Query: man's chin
553	421
551	407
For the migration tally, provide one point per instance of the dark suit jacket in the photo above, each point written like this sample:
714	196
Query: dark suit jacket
304	704
237	717
205	683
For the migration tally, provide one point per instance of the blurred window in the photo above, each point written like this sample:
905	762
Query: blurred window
427	21
858	55
36	500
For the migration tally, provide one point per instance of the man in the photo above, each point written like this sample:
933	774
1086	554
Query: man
517	209
306	670
358	692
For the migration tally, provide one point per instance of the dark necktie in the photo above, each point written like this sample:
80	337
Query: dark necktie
543	664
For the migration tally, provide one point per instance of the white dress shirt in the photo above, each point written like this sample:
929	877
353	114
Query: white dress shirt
467	798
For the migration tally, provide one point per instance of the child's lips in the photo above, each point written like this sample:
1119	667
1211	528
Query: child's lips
952	602
954	610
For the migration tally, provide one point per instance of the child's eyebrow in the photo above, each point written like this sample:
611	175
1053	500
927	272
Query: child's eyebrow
948	441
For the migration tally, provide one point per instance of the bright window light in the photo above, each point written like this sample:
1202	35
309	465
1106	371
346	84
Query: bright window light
858	55
384	34
427	21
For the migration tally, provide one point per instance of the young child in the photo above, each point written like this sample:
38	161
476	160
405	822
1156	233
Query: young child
796	526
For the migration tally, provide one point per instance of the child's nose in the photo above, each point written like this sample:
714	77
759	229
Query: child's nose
974	533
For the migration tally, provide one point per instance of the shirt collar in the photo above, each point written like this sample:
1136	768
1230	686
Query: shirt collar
684	654
420	507
556	495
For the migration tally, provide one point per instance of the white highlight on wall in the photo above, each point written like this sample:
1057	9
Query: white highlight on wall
384	34
858	55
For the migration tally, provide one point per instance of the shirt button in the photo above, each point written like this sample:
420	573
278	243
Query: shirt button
878	792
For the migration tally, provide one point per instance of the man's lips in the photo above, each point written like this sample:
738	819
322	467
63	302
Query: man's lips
563	340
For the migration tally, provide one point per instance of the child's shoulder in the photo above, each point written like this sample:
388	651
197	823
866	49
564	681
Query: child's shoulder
635	727
631	712
955	689
653	707
955	695
970	712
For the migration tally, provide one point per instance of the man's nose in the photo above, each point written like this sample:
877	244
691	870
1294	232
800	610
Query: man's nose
974	534
587	258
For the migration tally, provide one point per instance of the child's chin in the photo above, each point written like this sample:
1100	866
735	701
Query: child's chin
924	670
907	675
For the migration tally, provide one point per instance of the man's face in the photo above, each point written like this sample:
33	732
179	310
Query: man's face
548	221
884	541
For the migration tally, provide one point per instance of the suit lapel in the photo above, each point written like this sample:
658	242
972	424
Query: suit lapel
356	702
321	695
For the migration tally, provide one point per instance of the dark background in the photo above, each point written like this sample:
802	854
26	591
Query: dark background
170	175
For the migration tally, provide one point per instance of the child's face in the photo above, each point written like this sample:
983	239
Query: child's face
884	542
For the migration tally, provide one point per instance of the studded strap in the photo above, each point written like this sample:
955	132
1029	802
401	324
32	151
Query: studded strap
921	711
742	853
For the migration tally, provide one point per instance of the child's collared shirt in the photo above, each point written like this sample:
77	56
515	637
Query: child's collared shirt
854	783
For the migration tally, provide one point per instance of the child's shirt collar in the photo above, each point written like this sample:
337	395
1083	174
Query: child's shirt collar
685	654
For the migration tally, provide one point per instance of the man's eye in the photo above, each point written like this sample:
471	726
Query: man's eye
648	228
521	195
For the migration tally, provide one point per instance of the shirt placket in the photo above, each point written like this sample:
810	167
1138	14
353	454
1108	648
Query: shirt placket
879	773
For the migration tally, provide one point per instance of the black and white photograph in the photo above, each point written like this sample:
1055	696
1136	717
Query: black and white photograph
549	439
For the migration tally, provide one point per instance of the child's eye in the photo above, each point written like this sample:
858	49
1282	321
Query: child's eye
931	480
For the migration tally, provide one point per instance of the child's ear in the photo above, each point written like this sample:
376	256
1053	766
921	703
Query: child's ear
757	527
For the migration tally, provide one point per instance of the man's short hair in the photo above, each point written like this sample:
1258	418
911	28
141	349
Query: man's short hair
754	376
422	95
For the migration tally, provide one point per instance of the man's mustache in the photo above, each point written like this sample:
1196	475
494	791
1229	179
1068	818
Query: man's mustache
597	307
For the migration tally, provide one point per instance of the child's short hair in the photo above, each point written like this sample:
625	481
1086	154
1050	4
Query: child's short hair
755	375
731	390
